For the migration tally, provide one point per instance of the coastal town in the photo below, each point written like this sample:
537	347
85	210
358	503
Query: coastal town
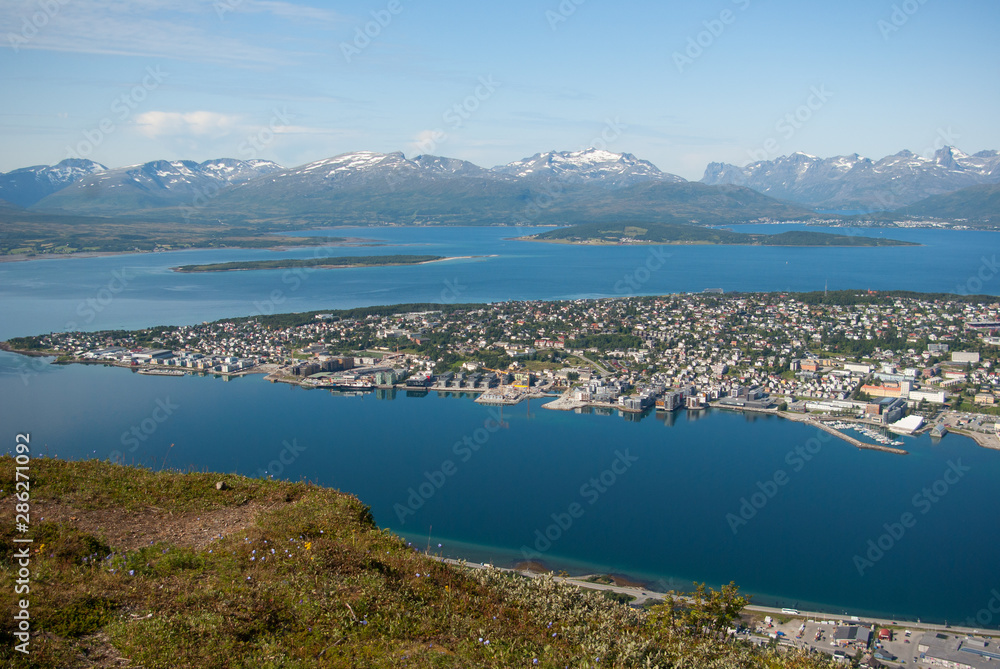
866	366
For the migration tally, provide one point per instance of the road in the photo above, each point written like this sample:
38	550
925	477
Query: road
596	366
642	595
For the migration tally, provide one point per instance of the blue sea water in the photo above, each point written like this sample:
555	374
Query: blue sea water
655	497
668	516
140	290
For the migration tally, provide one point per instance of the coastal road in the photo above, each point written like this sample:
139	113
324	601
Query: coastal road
596	366
642	595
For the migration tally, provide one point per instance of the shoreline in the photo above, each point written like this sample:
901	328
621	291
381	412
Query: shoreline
180	270
563	402
683	243
625	583
642	594
348	241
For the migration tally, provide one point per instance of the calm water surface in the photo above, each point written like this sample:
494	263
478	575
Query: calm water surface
141	290
668	516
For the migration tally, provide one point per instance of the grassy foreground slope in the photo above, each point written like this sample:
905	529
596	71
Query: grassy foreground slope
135	568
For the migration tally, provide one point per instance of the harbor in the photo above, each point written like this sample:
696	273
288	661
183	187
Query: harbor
833	429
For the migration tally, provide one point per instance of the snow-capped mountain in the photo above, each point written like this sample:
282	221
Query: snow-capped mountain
159	183
26	186
855	182
352	169
590	165
368	187
234	171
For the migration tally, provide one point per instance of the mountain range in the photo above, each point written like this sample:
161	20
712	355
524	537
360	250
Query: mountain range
152	185
26	186
554	187
857	183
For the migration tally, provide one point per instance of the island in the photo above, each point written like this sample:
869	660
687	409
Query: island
325	262
670	233
883	365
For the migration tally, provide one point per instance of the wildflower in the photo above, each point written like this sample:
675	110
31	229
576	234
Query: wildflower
131	572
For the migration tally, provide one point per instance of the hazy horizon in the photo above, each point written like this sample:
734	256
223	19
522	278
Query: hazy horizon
679	85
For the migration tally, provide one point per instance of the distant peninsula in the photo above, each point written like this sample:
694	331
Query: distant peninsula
669	233
315	263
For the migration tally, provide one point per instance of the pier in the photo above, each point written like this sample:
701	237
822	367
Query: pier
837	433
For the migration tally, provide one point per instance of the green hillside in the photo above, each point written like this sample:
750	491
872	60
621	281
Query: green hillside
665	233
976	203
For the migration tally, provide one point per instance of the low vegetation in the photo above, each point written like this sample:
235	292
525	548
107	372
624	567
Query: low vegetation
667	233
313	263
28	234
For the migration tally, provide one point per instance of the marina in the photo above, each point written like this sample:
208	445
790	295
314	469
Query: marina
869	432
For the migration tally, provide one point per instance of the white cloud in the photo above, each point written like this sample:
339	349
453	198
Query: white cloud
286	10
427	141
181	29
156	124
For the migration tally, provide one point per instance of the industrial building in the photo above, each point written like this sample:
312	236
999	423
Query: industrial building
944	650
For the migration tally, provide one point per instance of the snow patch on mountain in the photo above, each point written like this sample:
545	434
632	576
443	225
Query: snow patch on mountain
856	182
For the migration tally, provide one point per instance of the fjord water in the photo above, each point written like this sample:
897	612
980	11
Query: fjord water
141	290
665	516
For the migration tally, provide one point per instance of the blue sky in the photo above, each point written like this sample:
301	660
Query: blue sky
679	84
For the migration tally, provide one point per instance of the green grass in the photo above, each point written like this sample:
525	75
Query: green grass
309	581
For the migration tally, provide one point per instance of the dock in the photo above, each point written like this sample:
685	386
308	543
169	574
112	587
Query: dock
837	433
565	402
508	396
